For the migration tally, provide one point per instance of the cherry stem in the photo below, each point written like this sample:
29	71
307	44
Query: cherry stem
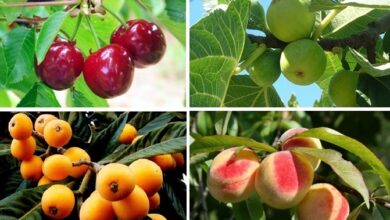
95	37
255	54
34	4
119	19
326	21
79	19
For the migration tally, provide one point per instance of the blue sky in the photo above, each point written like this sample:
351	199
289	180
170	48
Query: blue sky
305	94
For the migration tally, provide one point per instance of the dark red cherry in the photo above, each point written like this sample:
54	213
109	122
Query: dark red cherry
62	65
144	41
109	71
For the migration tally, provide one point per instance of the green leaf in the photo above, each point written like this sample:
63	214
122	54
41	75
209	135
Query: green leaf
176	10
250	209
3	67
257	17
355	213
320	5
217	43
39	96
11	13
82	88
377	89
374	70
219	142
344	169
5	100
160	121
353	146
49	31
77	99
243	92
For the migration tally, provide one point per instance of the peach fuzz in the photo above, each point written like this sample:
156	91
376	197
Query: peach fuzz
326	200
283	179
231	175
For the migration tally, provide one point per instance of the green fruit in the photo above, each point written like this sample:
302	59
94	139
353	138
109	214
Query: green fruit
265	70
303	62
290	20
342	88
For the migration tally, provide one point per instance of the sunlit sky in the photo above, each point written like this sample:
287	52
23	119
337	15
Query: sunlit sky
306	95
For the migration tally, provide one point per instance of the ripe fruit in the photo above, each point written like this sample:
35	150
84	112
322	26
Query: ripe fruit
31	169
76	154
179	159
291	142
57	133
20	126
290	20
283	179
58	201
231	175
115	181
109	71
95	208
44	181
265	70
323	202
164	161
156	216
144	41
23	149
41	122
62	65
154	201
303	62
342	88
57	167
134	206
148	175
128	134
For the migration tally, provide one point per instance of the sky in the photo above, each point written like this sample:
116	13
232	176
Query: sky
306	95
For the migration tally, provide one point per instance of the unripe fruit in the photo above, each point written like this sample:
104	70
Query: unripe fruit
20	126
115	181
303	62
148	175
96	208
23	149
57	167
290	20
164	161
323	202
134	206
154	201
342	88
128	134
76	154
44	181
265	70
41	122
58	201
290	142
57	133
156	216
283	179
179	159
231	175
31	169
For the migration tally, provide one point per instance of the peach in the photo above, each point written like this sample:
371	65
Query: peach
288	141
231	175
283	179
323	202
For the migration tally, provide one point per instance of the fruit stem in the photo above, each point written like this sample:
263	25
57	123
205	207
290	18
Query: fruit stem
82	162
325	22
254	55
34	4
95	37
116	16
79	19
84	183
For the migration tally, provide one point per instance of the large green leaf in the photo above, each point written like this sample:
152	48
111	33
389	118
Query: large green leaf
39	96
75	98
249	209
328	4
176	10
82	88
216	45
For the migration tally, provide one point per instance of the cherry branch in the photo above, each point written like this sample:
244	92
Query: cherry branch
34	4
366	39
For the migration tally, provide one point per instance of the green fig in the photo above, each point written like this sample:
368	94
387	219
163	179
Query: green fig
342	88
265	70
290	20
303	62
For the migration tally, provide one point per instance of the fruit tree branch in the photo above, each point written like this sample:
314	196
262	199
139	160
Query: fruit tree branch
34	4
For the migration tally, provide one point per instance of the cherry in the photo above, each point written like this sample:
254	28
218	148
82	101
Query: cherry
62	65
144	41
109	71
